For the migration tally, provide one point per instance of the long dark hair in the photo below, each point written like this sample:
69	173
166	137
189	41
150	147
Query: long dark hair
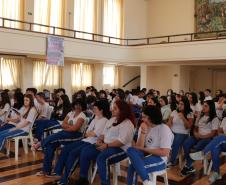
187	107
164	98
173	103
5	99
194	98
212	110
66	103
201	97
31	105
104	106
154	114
156	101
125	112
19	100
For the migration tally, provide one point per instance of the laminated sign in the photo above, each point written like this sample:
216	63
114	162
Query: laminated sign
55	51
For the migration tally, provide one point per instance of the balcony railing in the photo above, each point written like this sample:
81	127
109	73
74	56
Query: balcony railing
69	33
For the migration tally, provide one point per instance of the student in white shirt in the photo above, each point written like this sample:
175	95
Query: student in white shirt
26	118
208	96
180	122
220	105
193	99
111	146
13	114
33	92
215	147
69	155
206	127
165	108
4	106
152	147
43	106
73	127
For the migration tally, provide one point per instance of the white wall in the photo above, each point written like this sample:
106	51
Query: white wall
136	18
127	73
169	17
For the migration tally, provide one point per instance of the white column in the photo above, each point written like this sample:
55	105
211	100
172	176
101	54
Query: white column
143	76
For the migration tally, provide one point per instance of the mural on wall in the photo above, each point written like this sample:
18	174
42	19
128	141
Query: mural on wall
210	15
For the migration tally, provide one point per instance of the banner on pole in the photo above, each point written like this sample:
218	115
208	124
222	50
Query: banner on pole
55	51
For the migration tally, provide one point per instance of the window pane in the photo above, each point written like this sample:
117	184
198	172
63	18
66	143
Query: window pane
108	75
83	17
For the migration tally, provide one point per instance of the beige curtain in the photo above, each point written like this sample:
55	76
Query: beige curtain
12	9
10	73
50	12
113	20
81	76
46	76
84	17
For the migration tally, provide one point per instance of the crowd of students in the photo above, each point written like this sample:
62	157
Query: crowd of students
108	127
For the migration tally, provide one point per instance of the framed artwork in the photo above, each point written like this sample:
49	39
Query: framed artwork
210	15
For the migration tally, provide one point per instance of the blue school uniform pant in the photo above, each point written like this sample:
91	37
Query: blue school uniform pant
215	147
177	144
6	127
142	166
43	126
52	142
7	134
194	144
69	159
103	158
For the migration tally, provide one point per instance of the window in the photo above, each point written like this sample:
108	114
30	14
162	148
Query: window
49	12
113	19
84	17
46	76
9	73
12	9
108	75
81	75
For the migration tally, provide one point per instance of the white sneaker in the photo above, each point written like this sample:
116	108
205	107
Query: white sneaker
214	177
197	156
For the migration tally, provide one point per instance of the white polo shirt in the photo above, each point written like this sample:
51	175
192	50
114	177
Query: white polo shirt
205	126
178	124
97	126
159	136
122	132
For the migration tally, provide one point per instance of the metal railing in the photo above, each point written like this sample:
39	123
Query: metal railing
70	33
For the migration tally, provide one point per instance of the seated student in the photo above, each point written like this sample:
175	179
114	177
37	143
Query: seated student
43	110
208	96
73	127
206	127
180	122
58	115
220	105
69	155
193	99
165	108
152	147
13	115
27	116
215	147
33	92
111	146
4	106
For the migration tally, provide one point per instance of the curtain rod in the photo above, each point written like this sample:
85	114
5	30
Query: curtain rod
11	55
